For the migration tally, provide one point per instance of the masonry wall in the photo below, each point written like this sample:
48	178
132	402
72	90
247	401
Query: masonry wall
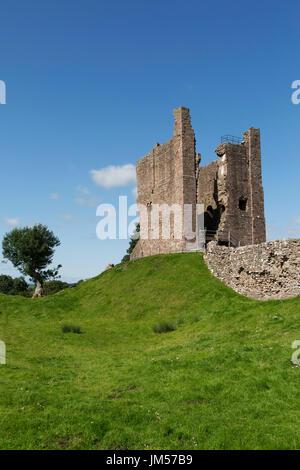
166	175
252	142
230	188
265	271
236	186
207	182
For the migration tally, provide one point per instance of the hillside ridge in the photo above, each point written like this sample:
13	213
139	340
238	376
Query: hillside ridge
215	382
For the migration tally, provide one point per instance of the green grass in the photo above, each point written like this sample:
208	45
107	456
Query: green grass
222	380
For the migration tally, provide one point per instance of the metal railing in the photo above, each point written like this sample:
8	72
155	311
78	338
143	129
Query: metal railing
231	139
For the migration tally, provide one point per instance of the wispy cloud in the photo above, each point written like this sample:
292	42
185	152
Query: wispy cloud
114	176
54	196
12	222
92	201
297	220
83	190
68	218
85	198
134	192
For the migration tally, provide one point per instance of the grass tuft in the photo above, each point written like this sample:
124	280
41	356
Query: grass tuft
67	328
164	327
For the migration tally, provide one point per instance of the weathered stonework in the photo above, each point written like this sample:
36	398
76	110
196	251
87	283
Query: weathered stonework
238	197
230	189
269	270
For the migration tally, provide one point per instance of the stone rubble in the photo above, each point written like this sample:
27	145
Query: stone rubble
269	270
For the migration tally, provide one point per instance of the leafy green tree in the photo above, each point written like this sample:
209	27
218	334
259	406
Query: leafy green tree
31	251
6	284
11	286
133	241
51	287
20	285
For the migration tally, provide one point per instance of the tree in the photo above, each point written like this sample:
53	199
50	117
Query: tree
11	286
31	250
20	285
54	286
133	241
6	284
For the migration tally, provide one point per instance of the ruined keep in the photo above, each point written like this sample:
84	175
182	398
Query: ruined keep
230	188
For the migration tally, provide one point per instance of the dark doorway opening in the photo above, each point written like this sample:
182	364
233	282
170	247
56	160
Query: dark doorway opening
212	218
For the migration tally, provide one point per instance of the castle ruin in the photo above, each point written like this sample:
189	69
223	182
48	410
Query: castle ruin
230	189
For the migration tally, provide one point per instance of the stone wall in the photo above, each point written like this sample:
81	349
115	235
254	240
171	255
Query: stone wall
166	175
269	270
230	189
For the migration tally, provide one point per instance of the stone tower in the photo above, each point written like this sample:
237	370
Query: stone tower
230	189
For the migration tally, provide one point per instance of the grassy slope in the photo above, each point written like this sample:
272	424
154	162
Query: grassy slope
223	382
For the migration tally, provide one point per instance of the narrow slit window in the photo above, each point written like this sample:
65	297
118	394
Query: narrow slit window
243	203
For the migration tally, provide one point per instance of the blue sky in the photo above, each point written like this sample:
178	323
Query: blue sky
93	83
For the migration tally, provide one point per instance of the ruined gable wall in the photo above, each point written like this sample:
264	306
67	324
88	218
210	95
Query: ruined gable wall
188	157
269	270
252	141
158	182
236	183
212	193
155	175
235	176
220	185
166	175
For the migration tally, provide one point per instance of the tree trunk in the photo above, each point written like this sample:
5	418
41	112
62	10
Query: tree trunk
38	290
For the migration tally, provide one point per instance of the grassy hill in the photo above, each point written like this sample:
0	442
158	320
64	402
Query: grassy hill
222	380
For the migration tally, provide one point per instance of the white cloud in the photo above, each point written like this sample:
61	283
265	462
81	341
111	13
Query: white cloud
114	176
297	220
54	196
134	192
83	190
12	222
